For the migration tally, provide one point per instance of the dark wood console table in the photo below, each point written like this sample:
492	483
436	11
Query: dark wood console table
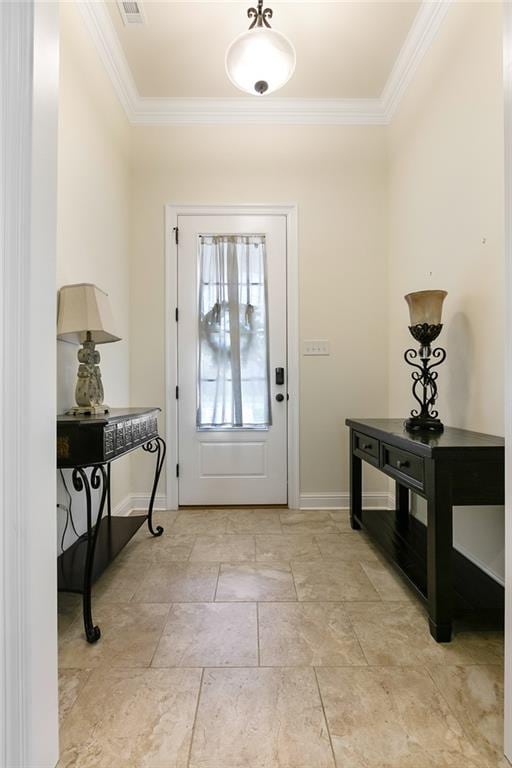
87	445
455	467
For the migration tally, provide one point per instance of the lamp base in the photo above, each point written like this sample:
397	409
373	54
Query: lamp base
423	424
88	410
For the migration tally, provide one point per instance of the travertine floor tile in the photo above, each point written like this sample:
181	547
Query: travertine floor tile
129	700
346	546
307	634
168	548
132	718
397	634
308	522
342	518
227	548
255	581
387	583
163	517
391	718
332	580
253	521
177	583
209	635
475	696
260	718
286	547
68	606
129	636
200	521
119	582
71	681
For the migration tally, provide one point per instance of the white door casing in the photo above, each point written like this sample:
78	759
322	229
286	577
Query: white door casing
288	212
507	74
29	76
235	466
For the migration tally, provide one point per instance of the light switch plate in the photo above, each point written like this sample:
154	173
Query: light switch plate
315	347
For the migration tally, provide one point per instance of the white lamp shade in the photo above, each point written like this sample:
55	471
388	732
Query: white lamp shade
83	309
260	55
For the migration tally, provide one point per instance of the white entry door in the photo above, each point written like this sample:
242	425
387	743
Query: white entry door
232	380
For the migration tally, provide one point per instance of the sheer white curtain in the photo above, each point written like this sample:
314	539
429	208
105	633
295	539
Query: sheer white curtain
233	378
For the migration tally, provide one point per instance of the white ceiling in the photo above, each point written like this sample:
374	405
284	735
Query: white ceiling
345	50
355	60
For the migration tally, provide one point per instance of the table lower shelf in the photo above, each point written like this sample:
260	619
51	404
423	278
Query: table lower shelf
478	598
114	534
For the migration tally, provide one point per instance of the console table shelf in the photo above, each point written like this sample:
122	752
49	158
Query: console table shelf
477	597
113	535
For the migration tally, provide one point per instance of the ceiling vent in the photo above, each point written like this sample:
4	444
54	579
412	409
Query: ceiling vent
132	11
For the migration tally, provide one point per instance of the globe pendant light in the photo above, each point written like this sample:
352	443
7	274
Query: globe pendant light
261	60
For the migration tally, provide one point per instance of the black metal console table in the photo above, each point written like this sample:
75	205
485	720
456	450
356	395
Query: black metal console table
455	467
88	445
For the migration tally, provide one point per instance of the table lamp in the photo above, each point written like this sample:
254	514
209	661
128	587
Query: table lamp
85	318
425	308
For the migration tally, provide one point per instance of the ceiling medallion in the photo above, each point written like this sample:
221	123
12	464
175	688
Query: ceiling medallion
262	59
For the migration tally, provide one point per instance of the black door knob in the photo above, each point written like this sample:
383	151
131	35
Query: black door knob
279	398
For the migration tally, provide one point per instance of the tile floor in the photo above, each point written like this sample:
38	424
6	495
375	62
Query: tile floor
270	639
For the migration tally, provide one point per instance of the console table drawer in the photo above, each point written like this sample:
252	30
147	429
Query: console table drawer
402	465
368	447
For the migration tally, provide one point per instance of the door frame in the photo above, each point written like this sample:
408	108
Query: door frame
507	82
172	211
29	39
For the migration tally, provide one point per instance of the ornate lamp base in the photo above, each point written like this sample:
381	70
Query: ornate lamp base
420	424
424	378
89	387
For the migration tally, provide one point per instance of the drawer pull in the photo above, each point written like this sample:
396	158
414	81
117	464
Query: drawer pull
367	446
402	464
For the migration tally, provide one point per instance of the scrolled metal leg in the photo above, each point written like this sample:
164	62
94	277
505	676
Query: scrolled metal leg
81	482
155	445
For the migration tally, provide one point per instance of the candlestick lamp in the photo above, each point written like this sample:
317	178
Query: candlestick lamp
425	308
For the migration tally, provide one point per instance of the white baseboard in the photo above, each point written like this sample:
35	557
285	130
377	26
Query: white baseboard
138	501
341	500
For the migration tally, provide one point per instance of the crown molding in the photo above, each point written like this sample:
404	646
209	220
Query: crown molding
421	36
248	110
253	110
104	36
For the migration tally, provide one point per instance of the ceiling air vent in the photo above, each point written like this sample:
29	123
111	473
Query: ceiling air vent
131	11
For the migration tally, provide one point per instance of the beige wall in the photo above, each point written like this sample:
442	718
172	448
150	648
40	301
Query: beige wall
446	231
337	176
93	210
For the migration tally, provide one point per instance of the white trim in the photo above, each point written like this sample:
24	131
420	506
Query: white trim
139	501
507	73
250	110
341	500
104	35
171	334
422	34
124	507
142	110
29	75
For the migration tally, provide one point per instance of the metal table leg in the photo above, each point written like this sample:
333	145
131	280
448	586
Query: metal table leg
155	445
82	482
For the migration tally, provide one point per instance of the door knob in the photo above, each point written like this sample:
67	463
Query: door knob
280	398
